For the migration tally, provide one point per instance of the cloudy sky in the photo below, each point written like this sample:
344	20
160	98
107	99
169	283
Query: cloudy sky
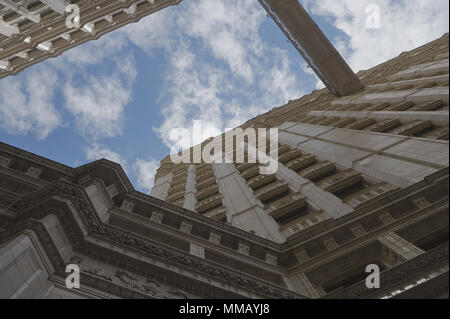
218	61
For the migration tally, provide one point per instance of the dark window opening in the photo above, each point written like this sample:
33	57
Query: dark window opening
350	278
324	175
433	240
349	190
275	198
291	216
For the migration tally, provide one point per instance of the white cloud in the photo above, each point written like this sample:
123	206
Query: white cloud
96	99
404	25
154	31
192	93
142	170
98	151
26	106
221	71
229	28
198	90
279	81
98	106
98	103
145	171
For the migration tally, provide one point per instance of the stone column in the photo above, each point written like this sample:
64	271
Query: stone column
303	285
101	198
324	200
400	247
189	197
22	272
161	188
244	209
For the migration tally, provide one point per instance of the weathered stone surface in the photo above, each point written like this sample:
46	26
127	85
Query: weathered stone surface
341	198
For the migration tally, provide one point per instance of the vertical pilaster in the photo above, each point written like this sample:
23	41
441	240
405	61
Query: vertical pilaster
326	201
189	197
161	188
244	209
400	247
303	285
22	274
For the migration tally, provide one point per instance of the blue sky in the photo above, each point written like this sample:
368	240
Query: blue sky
218	61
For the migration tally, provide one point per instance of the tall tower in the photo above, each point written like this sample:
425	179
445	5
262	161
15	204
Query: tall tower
361	179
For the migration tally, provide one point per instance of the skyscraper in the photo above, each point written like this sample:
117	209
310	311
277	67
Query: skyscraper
347	168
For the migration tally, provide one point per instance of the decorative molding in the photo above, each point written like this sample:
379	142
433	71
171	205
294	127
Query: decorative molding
33	172
271	259
185	227
243	249
302	256
215	238
197	250
98	273
112	190
291	244
127	206
396	276
330	243
96	228
421	202
157	217
5	161
358	231
386	218
36	159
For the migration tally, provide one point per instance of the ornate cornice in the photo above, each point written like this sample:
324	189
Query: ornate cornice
284	247
371	208
95	228
369	237
284	251
36	158
398	275
116	168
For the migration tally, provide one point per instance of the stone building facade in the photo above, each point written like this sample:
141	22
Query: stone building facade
34	30
361	180
348	178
